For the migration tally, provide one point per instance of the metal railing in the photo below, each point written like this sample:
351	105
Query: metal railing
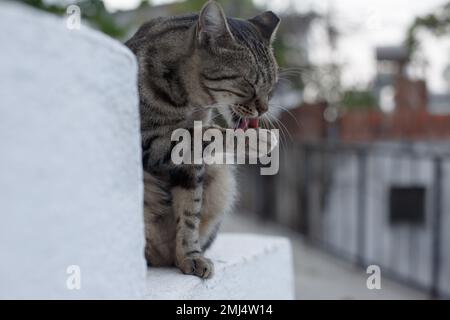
337	196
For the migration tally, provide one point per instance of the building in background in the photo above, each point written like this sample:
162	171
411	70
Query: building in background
374	194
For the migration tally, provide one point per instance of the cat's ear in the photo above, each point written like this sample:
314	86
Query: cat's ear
267	23
212	23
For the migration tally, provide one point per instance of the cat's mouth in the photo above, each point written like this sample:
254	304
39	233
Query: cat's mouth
248	123
244	117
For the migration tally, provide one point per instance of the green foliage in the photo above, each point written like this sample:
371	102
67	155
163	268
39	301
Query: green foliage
145	3
358	100
437	23
240	8
280	49
189	6
93	11
39	4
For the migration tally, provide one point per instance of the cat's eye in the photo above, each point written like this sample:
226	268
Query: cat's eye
233	92
224	77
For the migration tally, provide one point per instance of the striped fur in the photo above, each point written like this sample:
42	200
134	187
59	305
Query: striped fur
189	66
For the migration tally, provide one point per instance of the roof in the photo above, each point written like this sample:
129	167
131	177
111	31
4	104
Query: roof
392	53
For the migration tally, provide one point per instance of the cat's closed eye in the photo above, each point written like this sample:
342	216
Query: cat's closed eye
222	77
233	84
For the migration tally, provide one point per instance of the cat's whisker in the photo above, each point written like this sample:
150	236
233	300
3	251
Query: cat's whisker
236	125
285	131
216	116
292	72
282	134
289	112
285	79
266	121
262	121
273	126
297	69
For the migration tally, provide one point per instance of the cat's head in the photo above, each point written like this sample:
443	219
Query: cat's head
237	68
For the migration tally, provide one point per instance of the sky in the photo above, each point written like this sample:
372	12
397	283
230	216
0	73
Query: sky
364	26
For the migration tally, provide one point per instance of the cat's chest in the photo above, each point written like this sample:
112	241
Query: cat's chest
202	115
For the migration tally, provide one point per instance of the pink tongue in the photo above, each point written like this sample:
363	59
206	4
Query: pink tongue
253	123
243	124
249	123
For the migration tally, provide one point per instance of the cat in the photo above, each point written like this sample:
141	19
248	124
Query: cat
189	67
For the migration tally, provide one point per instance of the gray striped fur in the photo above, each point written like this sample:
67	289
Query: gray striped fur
189	66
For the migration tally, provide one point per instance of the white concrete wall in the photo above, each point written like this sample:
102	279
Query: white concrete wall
71	180
247	267
70	171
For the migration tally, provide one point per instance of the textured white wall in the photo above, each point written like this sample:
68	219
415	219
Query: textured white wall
70	178
70	171
247	267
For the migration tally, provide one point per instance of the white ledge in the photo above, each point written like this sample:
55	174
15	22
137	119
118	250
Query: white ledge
71	178
246	267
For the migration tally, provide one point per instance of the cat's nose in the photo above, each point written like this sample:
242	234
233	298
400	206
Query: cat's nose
261	106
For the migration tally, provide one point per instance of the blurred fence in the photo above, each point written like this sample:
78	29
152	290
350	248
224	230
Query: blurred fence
382	204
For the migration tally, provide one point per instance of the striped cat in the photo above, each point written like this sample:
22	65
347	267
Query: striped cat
189	67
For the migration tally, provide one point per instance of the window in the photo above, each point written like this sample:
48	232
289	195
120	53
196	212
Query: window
407	205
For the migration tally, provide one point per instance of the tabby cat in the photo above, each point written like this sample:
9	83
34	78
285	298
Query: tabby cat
189	67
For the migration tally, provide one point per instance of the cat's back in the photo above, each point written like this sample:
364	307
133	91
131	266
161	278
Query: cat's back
161	29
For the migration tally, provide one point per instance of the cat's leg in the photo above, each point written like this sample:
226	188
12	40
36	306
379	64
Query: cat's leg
219	189
187	197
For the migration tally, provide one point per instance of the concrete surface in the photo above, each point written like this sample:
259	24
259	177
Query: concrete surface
246	267
70	168
319	275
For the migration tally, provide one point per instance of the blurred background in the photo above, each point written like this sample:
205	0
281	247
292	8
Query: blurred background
363	108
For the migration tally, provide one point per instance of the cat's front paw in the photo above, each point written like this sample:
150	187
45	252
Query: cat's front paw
199	266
